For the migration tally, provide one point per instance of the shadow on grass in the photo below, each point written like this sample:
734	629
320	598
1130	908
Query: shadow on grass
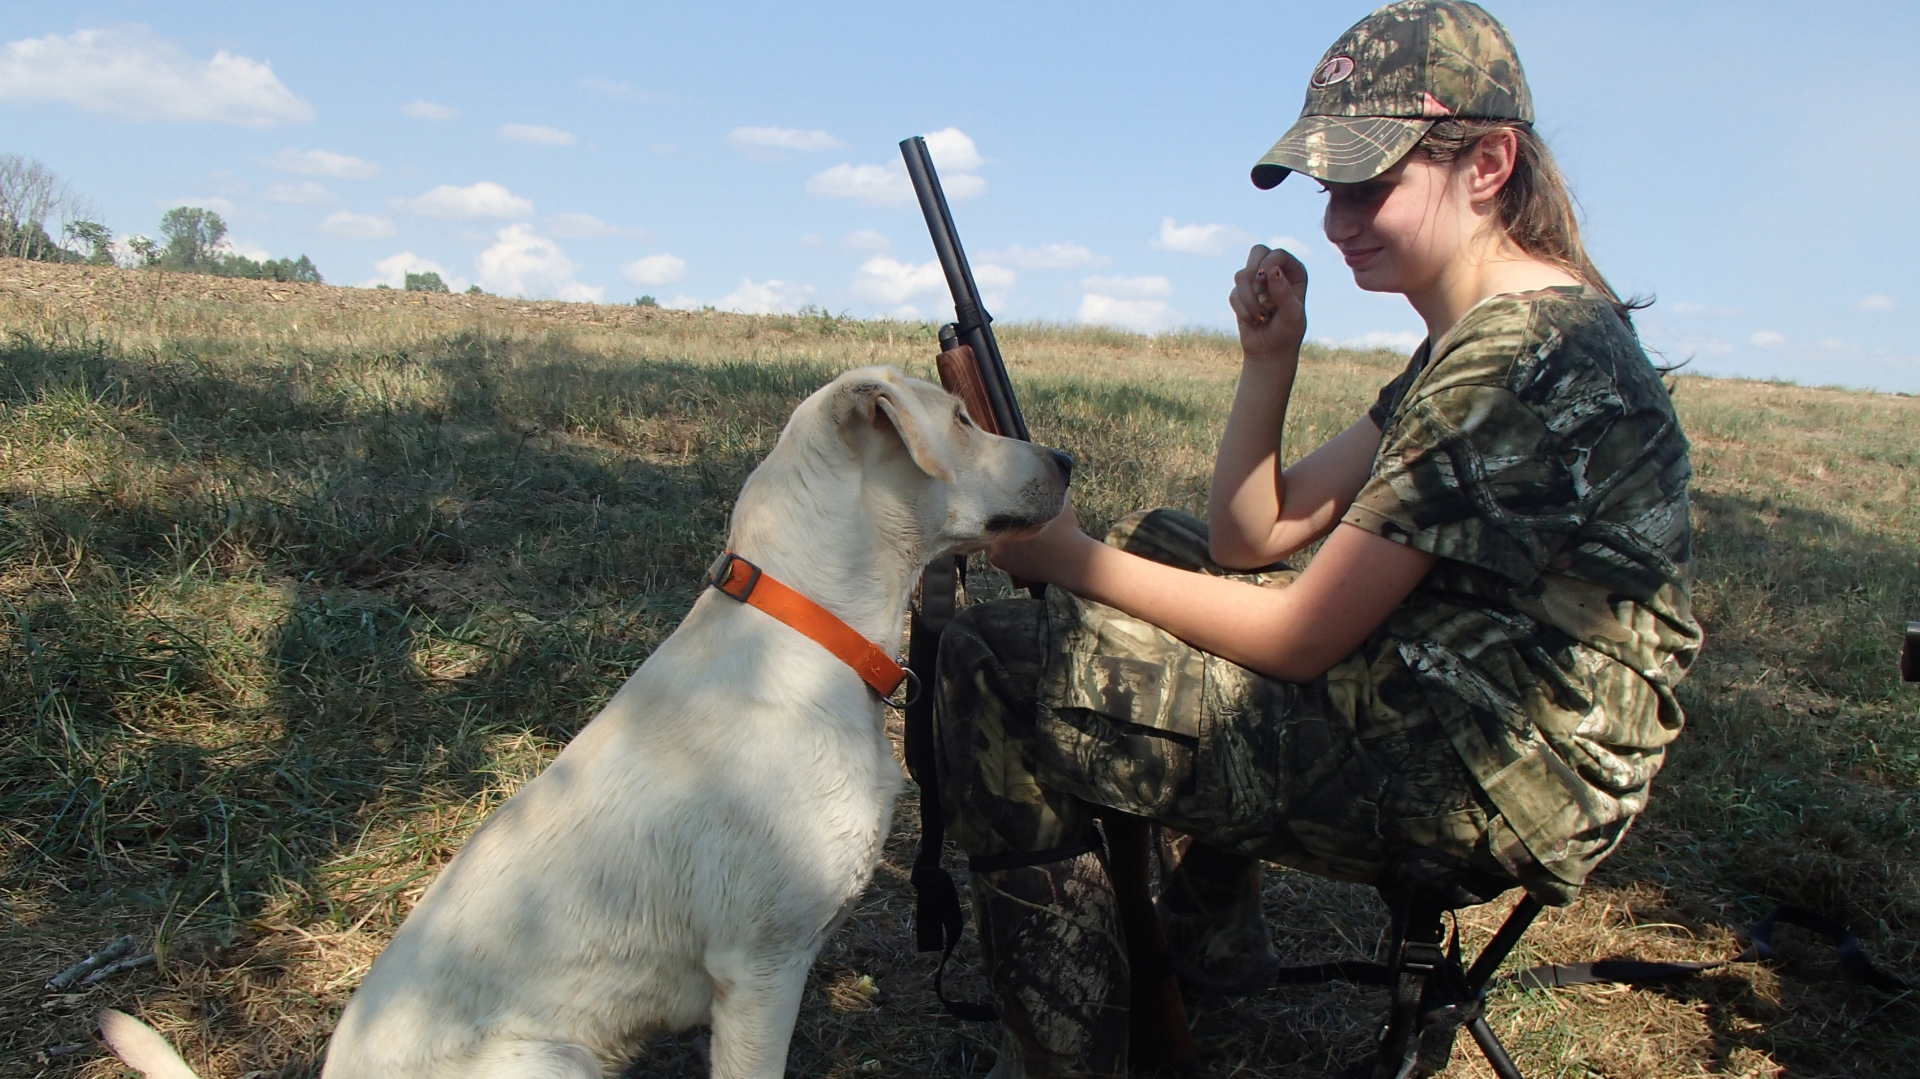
279	617
249	658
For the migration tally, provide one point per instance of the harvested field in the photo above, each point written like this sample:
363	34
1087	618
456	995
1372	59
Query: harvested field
296	582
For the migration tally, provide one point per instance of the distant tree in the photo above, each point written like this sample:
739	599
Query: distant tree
646	301
300	269
32	199
196	242
96	240
476	290
145	249
193	237
425	282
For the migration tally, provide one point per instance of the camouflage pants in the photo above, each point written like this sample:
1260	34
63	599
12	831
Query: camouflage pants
1049	709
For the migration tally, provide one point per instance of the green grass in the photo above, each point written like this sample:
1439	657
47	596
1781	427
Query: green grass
293	590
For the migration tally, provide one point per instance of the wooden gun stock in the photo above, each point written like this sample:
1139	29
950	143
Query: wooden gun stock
960	374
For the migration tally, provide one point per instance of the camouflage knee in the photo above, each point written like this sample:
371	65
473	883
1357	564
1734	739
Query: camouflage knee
991	661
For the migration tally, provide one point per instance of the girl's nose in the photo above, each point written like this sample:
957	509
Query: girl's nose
1339	226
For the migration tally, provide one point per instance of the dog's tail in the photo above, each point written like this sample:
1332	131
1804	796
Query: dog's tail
141	1047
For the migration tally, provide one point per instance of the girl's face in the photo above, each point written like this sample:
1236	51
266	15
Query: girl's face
1401	230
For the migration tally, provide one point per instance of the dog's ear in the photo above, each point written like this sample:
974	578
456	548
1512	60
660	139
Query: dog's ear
883	405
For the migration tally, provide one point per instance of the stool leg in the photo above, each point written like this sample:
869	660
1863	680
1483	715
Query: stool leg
1489	1042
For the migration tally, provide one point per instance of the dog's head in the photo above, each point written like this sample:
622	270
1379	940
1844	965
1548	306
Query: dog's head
953	486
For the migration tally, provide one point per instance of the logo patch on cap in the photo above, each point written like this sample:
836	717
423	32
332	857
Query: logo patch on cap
1336	69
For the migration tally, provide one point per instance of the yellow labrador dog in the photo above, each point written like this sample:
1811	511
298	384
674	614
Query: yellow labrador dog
685	857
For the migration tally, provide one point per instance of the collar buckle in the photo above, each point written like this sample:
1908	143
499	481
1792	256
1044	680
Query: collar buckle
723	576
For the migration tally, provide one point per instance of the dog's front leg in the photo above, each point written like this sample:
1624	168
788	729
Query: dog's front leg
755	1004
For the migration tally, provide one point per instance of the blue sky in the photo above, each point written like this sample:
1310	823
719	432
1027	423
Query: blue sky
1753	166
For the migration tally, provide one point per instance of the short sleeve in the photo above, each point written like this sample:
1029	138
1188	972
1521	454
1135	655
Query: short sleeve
1471	473
1395	391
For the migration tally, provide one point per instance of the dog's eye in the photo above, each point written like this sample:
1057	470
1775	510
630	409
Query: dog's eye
965	420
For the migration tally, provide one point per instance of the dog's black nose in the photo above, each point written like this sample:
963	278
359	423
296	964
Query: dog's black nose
1065	463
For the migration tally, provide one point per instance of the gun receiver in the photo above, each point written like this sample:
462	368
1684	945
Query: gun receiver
972	326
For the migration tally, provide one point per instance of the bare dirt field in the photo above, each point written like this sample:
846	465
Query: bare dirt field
296	582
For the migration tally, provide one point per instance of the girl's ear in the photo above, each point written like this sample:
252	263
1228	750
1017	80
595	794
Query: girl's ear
1490	164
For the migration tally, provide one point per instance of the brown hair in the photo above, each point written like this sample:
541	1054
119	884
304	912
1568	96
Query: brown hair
1535	208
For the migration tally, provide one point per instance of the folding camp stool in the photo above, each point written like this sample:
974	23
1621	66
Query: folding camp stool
1433	993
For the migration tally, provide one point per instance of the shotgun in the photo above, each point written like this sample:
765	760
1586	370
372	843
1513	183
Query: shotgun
971	368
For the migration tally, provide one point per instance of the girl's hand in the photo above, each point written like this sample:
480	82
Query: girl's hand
1269	301
1053	555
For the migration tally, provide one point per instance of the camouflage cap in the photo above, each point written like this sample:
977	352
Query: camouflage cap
1385	82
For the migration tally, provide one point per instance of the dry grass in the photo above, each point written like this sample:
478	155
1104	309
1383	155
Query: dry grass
297	582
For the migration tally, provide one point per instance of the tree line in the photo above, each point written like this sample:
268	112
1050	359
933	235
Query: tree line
192	239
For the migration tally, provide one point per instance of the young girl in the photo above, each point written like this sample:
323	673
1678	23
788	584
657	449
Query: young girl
1477	667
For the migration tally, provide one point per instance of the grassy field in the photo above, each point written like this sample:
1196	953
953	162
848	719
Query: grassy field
297	582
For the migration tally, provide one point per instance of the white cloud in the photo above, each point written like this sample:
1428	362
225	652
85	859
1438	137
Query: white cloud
247	249
135	74
774	143
1199	239
523	263
883	280
756	298
813	240
1130	288
484	199
655	270
588	227
1391	340
392	272
883	185
1300	248
1140	316
305	191
321	163
1768	339
1131	303
352	226
534	135
866	240
1684	307
953	151
877	184
1875	302
1063	256
429	110
890	282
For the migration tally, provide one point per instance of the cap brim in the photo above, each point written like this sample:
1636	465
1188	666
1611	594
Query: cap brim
1339	149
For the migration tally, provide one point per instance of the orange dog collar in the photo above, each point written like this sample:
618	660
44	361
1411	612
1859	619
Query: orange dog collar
741	580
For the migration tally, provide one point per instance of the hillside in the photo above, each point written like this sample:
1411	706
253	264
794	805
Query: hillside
296	582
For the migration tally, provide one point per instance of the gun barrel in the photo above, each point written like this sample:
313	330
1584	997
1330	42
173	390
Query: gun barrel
974	324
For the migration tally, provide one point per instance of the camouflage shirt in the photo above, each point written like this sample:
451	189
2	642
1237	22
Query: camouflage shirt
1534	449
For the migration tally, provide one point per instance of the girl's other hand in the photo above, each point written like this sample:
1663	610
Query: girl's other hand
1269	301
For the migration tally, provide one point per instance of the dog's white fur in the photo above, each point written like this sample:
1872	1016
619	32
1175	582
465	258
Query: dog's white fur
683	860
